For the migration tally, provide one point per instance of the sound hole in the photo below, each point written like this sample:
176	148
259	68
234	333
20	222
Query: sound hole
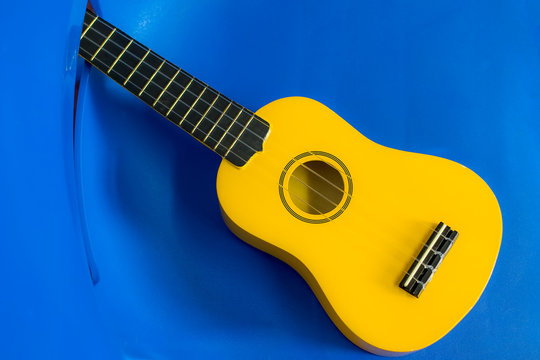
316	187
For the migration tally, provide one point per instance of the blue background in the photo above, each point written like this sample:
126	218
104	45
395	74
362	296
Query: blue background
112	246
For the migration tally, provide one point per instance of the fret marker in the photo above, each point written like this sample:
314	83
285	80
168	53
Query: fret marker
215	124
165	88
101	46
119	56
88	28
179	96
151	78
193	105
138	64
205	113
228	128
238	137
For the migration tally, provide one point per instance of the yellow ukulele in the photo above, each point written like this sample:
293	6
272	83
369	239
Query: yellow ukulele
374	231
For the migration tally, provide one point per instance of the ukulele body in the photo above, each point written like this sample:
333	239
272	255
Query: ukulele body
354	238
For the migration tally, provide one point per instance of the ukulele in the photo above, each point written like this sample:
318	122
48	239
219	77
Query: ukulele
397	246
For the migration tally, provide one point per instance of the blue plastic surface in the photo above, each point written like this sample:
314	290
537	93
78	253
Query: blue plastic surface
452	79
47	301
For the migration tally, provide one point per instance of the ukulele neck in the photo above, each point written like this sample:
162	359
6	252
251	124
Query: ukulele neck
230	130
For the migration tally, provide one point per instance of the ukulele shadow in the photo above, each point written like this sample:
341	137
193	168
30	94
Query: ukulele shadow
164	192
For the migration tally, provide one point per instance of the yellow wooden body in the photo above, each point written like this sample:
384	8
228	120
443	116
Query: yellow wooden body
355	262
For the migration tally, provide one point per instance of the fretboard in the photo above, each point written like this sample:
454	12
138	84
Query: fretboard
232	131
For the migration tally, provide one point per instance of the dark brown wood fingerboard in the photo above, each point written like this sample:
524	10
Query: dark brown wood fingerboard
232	131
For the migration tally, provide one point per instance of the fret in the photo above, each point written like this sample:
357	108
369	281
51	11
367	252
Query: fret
88	28
160	73
192	106
252	139
204	115
199	107
223	125
189	111
241	150
166	87
239	135
119	56
88	18
258	130
135	68
210	117
248	141
85	49
101	46
179	96
195	89
187	99
107	50
144	72
129	59
227	130
174	90
91	40
233	132
109	53
98	31
217	121
151	78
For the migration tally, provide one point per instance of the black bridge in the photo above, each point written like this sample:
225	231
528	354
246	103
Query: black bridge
429	259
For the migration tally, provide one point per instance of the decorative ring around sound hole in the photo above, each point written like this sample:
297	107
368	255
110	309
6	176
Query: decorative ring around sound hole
315	187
